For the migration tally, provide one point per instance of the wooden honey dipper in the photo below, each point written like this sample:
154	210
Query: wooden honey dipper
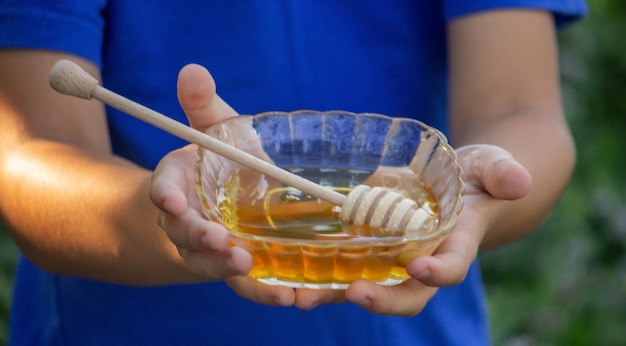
376	207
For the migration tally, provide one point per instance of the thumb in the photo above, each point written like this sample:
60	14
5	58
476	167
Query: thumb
494	170
198	98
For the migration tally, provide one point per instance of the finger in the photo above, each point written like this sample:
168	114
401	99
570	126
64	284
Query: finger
191	231
249	288
217	265
198	98
169	182
308	299
495	170
185	226
441	270
452	259
406	299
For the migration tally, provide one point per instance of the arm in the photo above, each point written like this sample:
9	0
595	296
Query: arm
71	206
505	110
504	91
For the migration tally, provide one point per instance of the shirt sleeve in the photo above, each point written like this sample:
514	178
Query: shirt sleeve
72	26
564	11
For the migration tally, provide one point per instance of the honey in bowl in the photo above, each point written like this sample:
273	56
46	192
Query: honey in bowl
298	240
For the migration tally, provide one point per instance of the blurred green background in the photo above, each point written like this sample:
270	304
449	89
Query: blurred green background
566	283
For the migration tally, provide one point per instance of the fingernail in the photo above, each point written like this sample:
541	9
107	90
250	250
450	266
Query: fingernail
314	305
424	275
231	265
204	242
365	302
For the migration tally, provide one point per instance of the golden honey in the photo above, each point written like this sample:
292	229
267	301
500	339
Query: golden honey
298	240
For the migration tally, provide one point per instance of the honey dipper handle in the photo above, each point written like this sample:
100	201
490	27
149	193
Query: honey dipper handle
68	78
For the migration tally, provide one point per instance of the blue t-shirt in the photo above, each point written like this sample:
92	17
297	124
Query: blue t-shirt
386	57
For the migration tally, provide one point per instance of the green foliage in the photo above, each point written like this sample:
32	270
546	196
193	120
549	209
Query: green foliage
8	257
566	284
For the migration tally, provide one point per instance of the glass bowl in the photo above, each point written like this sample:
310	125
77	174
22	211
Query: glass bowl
300	241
